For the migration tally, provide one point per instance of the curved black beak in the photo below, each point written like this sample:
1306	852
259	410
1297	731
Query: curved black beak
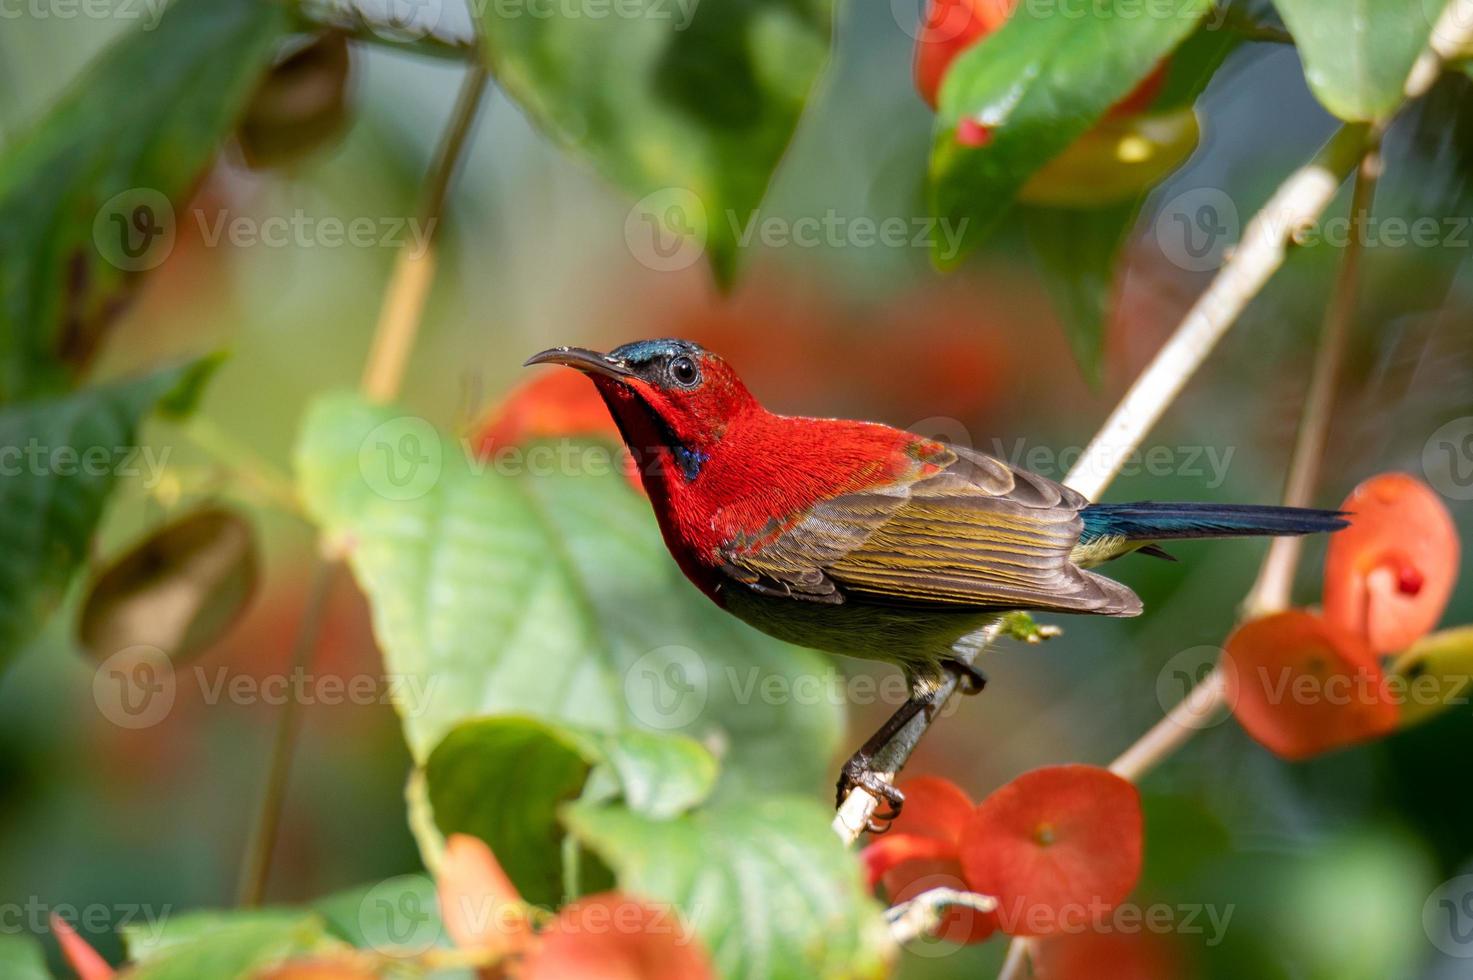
587	361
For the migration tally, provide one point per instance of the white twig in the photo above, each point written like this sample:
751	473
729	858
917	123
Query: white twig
923	914
1015	967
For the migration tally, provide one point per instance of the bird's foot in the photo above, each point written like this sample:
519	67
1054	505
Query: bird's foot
857	774
969	680
1021	626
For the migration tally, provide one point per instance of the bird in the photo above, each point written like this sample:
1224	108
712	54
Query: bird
865	540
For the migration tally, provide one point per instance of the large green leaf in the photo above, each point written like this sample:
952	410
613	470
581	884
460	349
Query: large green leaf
470	774
1037	84
550	596
687	106
60	460
1357	53
222	945
21	959
87	199
771	890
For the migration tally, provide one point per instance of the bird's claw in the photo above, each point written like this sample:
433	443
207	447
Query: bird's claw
857	774
1021	626
969	679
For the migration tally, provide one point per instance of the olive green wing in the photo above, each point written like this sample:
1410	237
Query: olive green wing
979	534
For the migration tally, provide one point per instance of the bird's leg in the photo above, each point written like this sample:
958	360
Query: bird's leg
857	772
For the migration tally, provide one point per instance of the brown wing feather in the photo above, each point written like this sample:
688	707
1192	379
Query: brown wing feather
979	534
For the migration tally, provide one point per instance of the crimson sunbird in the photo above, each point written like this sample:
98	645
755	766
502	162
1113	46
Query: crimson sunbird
861	539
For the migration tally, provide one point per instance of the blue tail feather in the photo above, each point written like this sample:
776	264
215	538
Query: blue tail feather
1149	521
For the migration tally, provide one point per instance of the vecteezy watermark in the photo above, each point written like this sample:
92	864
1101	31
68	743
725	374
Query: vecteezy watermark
1447	459
1286	685
1195	229
678	13
150	12
134	230
951	20
1447	917
398	917
33	916
401	459
1386	231
1181	681
302	230
137	687
834	230
1020	917
670	687
668	230
37	458
137	230
402	917
1207	463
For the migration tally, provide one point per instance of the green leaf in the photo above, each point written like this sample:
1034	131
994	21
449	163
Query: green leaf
21	958
691	118
61	458
1075	249
765	882
1357	53
470	774
222	945
129	142
550	596
657	775
1038	84
534	769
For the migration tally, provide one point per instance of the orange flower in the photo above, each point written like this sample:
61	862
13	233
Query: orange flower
1055	846
922	850
608	936
1389	575
1302	686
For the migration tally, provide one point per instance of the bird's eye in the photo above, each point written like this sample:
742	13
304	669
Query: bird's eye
683	371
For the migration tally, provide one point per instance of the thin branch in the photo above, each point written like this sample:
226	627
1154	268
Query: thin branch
1020	951
922	915
1298	202
256	867
393	339
1270	592
414	271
